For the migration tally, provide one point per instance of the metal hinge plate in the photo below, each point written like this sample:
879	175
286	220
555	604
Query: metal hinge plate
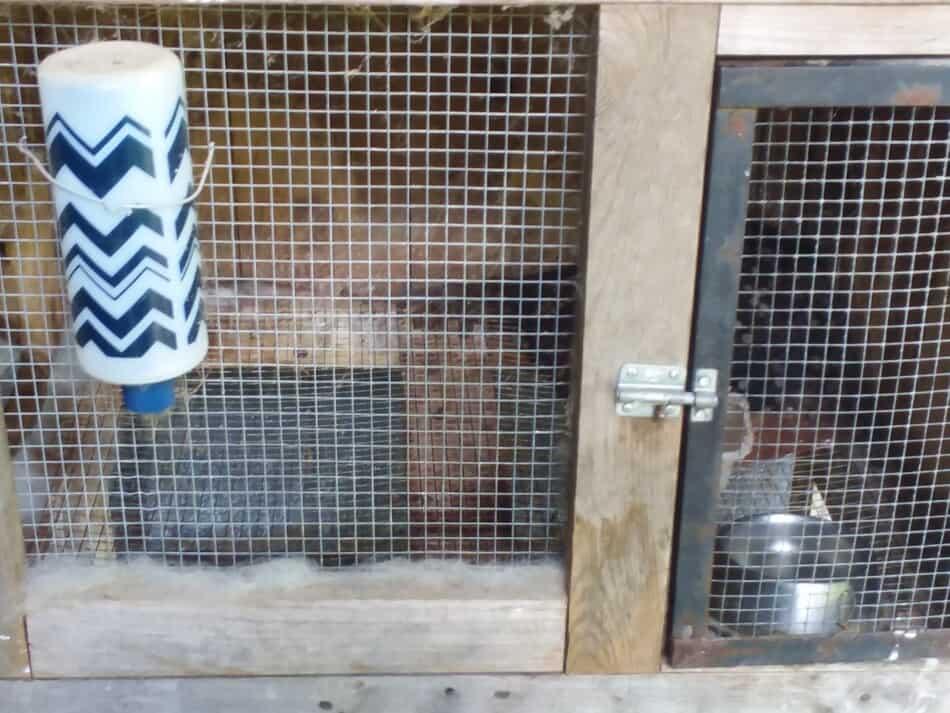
656	391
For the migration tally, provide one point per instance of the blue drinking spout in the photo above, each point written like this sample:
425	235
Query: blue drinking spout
149	398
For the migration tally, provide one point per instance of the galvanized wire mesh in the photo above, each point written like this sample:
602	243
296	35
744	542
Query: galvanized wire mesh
839	379
389	241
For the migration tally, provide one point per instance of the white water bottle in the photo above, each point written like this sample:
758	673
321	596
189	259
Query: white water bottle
117	146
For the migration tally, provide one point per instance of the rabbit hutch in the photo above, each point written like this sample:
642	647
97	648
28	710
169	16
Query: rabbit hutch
540	339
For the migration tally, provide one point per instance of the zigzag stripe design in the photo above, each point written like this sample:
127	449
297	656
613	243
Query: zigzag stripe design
58	120
102	177
192	293
145	279
196	322
191	250
122	325
176	152
182	218
83	261
155	333
179	109
110	242
191	244
135	283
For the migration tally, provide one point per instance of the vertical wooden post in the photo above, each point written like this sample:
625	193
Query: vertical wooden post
14	658
654	85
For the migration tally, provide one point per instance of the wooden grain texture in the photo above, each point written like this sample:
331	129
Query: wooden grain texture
837	30
284	618
885	689
653	94
506	3
14	657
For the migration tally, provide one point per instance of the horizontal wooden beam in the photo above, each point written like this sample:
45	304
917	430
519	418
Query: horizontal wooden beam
884	689
839	30
485	3
288	618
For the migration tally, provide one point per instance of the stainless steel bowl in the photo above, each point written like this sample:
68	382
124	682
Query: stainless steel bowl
785	574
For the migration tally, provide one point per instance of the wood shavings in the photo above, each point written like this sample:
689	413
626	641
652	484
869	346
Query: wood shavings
556	19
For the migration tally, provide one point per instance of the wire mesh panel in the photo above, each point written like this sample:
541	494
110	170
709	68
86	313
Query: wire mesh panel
835	484
389	240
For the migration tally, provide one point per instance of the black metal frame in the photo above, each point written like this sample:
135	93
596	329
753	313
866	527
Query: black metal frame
743	89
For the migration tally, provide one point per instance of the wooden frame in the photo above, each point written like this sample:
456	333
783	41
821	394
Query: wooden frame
649	151
642	243
14	657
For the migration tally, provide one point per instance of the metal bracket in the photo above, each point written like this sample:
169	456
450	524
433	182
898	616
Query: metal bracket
654	391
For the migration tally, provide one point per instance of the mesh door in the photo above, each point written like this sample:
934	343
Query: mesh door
389	237
835	482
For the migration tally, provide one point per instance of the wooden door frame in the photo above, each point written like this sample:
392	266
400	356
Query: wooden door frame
655	73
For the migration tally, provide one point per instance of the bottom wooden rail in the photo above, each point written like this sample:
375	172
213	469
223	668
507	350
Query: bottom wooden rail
287	618
880	689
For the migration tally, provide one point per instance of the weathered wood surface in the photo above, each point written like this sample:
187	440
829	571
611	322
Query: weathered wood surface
838	30
879	690
14	657
484	3
288	618
654	84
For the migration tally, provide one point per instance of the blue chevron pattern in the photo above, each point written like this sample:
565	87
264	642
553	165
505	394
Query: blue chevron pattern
176	152
58	120
191	244
122	325
182	216
196	322
77	259
155	334
190	253
110	242
126	297
192	293
101	177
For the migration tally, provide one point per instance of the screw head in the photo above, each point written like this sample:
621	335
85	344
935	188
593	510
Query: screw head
674	372
704	381
703	414
631	371
670	411
629	408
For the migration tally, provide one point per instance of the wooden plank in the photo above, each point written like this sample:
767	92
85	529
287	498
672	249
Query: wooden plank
885	689
14	657
836	30
286	618
654	84
506	3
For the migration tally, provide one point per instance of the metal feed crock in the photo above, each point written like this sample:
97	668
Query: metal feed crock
784	574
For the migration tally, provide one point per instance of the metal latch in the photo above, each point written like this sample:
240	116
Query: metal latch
654	391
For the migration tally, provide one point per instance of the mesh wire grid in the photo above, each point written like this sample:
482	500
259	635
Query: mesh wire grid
838	386
389	239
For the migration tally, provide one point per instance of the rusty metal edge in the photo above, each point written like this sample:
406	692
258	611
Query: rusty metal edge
713	323
846	647
837	82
